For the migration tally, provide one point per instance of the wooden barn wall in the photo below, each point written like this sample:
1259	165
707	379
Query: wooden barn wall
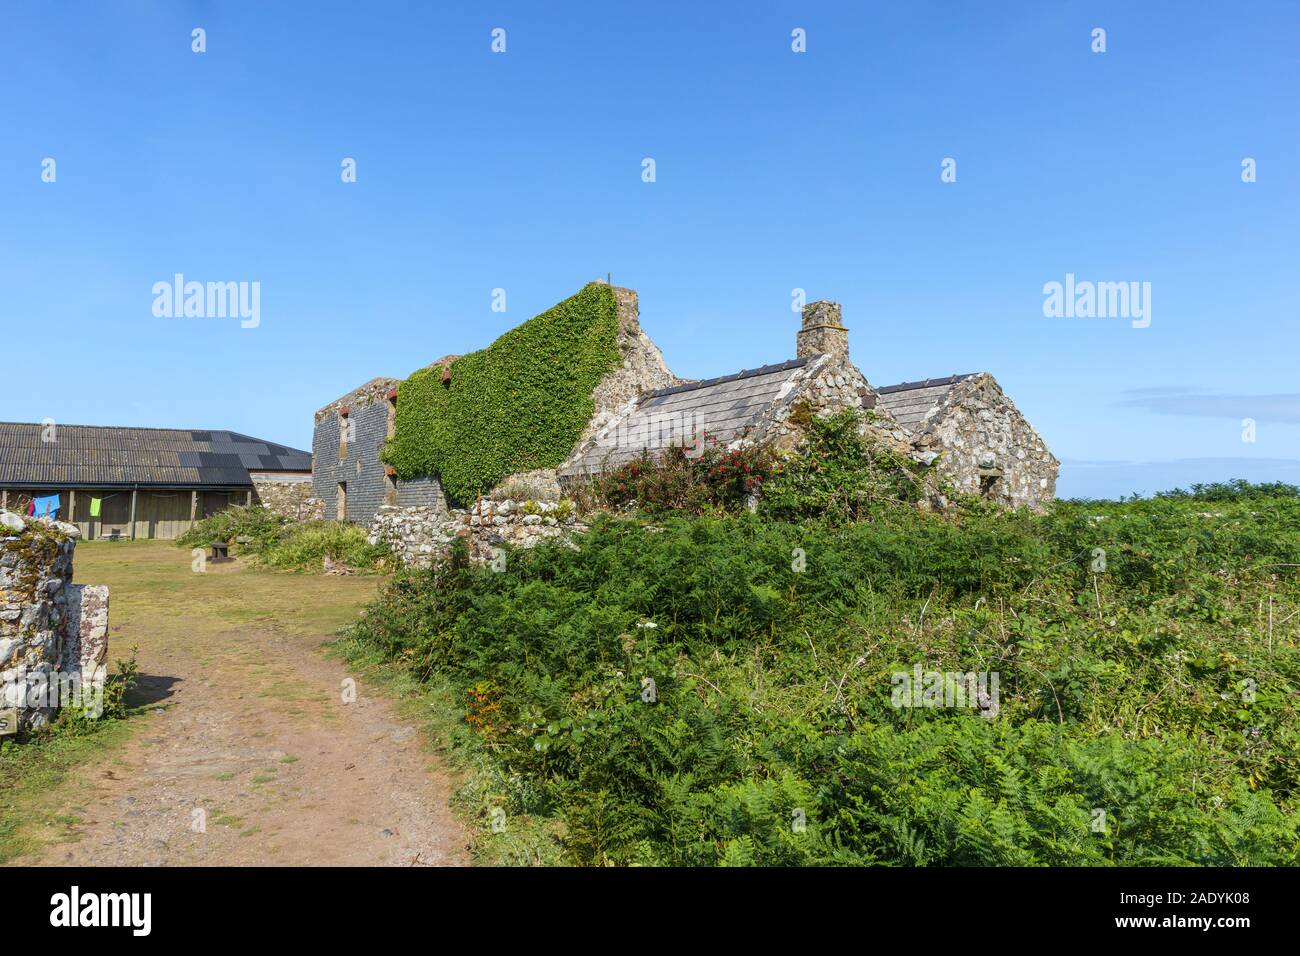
163	514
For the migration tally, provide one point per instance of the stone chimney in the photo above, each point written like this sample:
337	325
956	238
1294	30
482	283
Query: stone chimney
823	333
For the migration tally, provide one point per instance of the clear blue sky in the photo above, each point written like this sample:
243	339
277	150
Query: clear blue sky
775	170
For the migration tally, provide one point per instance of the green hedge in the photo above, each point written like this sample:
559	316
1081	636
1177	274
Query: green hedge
521	403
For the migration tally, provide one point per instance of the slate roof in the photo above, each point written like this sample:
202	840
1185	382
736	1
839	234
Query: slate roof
94	456
723	407
910	402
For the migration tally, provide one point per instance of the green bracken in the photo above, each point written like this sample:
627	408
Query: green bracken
1147	711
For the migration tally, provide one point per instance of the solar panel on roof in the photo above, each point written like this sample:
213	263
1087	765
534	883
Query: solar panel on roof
87	456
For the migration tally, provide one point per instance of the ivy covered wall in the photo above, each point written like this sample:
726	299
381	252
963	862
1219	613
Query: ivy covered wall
519	404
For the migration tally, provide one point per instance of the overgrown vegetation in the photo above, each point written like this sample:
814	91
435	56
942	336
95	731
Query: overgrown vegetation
251	529
519	404
838	476
698	480
278	543
1236	490
720	689
305	547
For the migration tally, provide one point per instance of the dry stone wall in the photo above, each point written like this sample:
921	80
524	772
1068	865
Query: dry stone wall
288	497
53	634
420	536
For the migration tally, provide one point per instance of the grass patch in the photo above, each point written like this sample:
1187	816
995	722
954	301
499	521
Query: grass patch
31	772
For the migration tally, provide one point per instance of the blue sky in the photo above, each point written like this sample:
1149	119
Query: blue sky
774	170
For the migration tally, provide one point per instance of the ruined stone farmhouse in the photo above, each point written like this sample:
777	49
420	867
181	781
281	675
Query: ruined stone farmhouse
963	426
350	433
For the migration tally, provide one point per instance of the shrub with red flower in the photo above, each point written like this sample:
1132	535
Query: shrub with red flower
697	478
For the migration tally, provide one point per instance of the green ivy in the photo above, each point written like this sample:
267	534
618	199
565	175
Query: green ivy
521	403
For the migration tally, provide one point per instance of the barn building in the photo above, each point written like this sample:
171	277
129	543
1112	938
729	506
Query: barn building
144	482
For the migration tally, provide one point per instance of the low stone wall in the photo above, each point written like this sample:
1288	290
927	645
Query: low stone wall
291	498
418	536
53	634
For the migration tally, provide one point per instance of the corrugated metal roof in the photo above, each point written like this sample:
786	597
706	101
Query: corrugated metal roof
92	456
911	402
721	407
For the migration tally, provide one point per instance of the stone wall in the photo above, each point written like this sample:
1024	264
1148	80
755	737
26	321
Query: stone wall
642	369
288	496
827	385
985	447
420	535
370	489
53	634
368	485
540	484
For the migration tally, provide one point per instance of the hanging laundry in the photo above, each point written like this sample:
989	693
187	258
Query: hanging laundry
94	507
49	505
31	507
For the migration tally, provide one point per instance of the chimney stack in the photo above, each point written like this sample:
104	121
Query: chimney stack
823	333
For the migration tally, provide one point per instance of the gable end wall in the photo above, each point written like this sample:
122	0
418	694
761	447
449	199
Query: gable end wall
976	425
366	489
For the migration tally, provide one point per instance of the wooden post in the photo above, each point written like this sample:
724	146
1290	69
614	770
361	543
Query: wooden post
132	514
248	498
71	516
194	507
4	500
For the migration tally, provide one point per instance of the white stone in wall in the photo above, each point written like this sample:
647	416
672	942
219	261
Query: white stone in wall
49	627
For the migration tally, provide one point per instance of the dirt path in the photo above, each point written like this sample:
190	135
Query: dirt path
249	754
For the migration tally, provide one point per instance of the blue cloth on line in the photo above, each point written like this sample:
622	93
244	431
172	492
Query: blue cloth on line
48	505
